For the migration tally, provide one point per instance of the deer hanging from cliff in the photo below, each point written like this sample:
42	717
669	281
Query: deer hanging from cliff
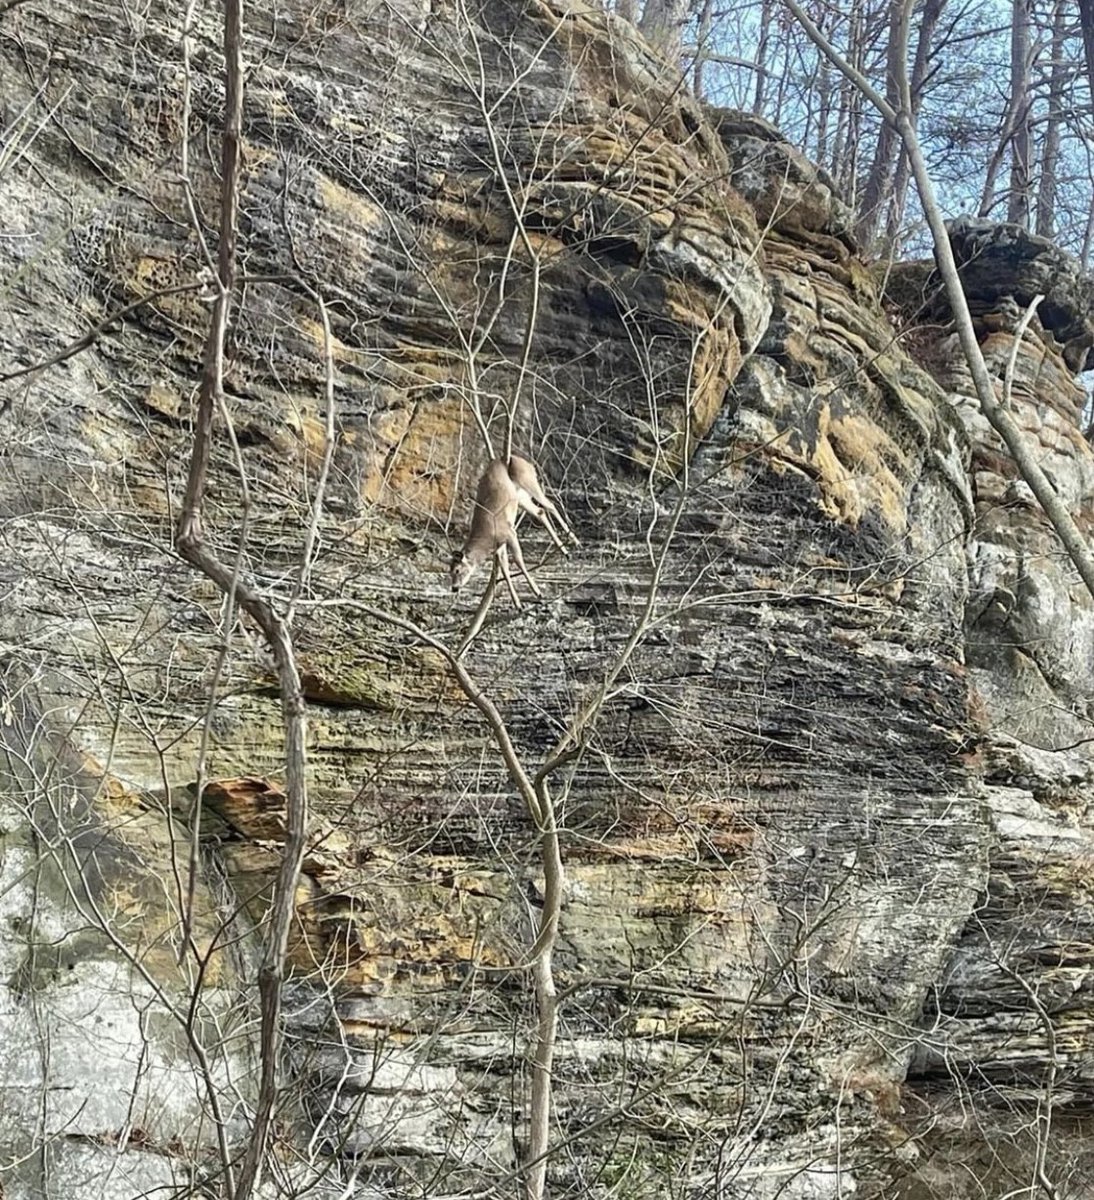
505	489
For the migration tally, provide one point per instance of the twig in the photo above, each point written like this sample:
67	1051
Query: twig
94	334
119	314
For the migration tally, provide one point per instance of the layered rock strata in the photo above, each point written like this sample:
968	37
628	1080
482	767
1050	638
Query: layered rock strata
776	838
1011	1018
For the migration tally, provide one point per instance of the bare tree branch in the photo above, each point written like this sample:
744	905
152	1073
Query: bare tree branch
93	334
191	544
1016	345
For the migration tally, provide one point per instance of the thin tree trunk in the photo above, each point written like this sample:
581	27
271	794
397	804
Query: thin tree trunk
766	16
987	195
928	23
876	189
847	169
702	47
1086	20
849	175
1050	154
1011	137
663	24
824	112
784	81
1088	240
191	545
543	982
1019	195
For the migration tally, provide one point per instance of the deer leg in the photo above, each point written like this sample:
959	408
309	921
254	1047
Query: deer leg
525	501
480	613
549	506
518	558
503	562
548	524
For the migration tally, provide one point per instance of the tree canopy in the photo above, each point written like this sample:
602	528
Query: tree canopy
1000	93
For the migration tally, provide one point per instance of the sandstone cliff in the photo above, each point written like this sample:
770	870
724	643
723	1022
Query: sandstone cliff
828	921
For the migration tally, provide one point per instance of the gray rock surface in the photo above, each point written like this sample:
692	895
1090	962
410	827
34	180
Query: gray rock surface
825	865
1012	1014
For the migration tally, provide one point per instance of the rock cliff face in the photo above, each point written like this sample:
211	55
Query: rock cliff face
1013	1009
827	926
